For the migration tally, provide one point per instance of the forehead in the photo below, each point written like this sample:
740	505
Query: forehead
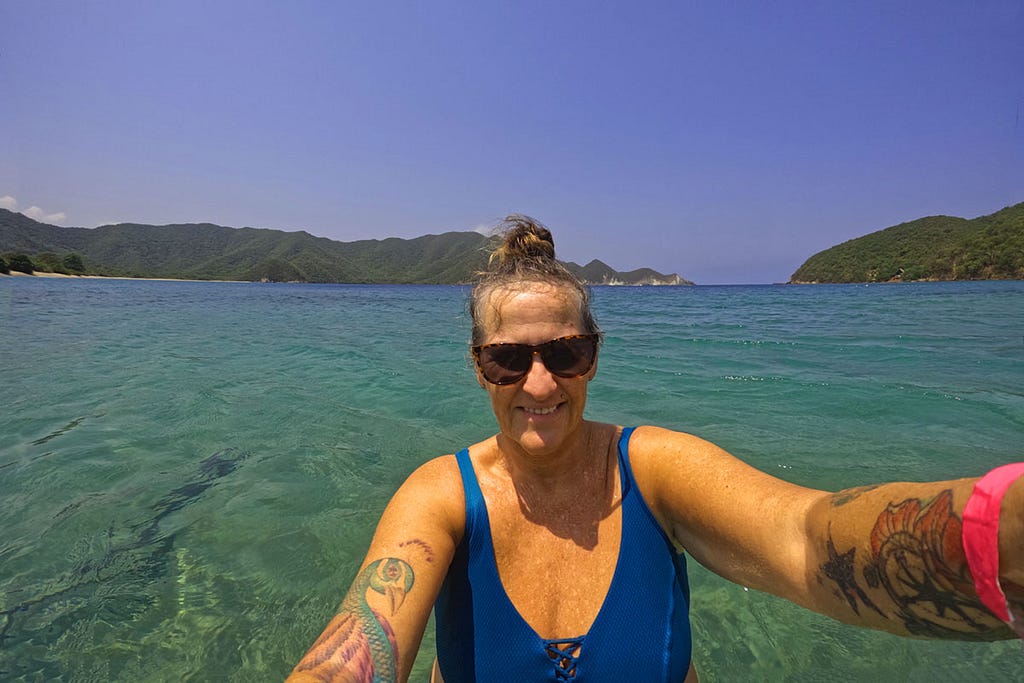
531	314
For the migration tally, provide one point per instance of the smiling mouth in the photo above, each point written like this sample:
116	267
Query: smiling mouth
540	411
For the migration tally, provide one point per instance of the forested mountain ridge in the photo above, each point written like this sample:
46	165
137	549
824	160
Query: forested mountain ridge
932	248
213	252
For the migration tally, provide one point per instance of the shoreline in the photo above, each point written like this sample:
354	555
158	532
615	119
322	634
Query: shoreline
42	274
64	276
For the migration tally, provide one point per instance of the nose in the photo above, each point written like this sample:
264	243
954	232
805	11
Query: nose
539	380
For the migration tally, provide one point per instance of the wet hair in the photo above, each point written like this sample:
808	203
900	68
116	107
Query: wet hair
525	257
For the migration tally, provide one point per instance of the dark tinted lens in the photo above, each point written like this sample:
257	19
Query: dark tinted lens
508	363
505	363
568	357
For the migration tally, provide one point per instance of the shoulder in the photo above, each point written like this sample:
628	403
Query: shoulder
654	447
434	490
683	459
677	459
440	472
688	481
678	473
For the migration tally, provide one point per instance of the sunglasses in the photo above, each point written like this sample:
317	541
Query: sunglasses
565	357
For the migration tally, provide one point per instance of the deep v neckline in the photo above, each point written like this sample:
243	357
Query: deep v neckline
493	561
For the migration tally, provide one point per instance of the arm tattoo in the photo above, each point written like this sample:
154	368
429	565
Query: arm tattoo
915	557
840	568
359	644
847	495
421	545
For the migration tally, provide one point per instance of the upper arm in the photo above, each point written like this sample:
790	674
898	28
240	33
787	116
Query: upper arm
741	523
381	620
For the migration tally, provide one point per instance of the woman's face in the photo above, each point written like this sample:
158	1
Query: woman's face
540	412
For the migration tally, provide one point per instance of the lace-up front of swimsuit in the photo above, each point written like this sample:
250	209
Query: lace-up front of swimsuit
641	632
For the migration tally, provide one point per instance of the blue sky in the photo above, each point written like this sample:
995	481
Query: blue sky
723	141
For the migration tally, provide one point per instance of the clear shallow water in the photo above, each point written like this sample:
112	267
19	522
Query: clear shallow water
190	472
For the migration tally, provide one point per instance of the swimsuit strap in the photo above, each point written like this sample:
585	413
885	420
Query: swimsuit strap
471	489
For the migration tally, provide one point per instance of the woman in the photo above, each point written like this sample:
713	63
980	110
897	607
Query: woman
553	550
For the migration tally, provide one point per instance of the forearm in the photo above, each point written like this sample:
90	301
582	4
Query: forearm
891	557
360	640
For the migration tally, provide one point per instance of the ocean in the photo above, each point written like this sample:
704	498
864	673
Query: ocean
190	472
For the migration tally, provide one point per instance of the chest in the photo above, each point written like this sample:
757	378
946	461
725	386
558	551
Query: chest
556	568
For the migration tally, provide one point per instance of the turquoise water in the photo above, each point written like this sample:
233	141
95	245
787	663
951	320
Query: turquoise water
190	472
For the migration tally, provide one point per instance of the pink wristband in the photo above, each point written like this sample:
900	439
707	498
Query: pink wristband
981	535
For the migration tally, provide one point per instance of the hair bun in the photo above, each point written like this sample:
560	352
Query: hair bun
524	259
525	239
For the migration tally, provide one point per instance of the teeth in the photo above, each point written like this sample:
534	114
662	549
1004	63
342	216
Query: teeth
541	411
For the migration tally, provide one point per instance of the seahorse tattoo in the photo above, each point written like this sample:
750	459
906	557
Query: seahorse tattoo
915	557
360	642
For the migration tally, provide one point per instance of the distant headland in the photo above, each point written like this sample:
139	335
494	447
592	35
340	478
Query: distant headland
203	251
933	248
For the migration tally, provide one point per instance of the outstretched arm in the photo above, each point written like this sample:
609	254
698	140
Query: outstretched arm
894	555
888	557
377	630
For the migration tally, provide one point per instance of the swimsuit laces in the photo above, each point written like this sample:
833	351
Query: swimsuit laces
564	655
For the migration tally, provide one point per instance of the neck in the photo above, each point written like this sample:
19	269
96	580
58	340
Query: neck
570	492
577	456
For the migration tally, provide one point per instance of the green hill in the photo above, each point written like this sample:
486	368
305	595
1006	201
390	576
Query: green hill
933	248
213	252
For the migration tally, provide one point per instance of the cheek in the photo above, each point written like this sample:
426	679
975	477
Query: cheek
493	394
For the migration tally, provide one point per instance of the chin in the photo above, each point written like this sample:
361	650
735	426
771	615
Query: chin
540	441
539	435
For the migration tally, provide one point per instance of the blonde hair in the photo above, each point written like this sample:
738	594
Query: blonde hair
526	256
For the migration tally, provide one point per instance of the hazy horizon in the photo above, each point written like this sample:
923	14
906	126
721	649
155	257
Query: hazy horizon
723	142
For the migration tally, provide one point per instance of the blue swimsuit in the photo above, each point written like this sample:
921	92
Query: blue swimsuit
641	633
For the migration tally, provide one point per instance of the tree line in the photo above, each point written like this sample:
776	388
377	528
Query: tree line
46	262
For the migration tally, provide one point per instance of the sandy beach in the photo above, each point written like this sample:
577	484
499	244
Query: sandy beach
109	277
15	273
